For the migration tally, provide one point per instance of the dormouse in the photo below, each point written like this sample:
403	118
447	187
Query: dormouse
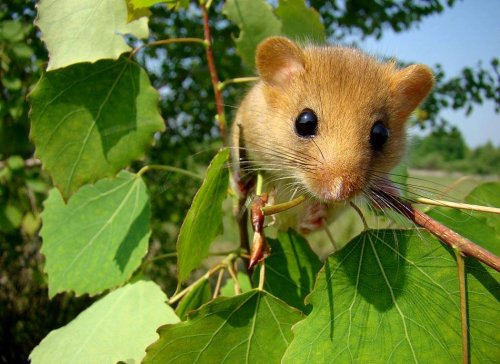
325	121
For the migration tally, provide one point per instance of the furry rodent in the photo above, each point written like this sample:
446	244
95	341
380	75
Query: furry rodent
325	121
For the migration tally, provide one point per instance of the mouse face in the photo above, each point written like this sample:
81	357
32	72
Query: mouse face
330	121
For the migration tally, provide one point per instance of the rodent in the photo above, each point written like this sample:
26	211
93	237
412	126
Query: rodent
325	121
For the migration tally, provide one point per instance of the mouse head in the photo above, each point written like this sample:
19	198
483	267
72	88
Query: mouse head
335	117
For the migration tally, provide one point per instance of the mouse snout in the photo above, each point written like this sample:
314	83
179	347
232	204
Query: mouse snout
337	187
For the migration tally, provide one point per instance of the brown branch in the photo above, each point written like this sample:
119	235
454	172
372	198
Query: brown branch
164	42
219	102
445	234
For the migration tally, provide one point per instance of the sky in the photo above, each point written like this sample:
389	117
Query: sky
462	36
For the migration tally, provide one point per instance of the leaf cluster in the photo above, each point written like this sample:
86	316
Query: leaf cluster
115	213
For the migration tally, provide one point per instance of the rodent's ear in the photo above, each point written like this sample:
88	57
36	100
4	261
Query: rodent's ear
278	58
410	86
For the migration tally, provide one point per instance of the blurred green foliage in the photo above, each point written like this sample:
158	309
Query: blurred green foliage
445	149
180	73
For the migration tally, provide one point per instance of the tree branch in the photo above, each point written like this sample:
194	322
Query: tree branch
219	101
167	41
445	234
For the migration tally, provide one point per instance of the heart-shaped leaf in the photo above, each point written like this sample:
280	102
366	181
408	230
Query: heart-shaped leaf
96	240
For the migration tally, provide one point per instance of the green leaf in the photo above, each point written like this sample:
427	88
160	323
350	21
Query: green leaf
31	223
200	294
86	31
244	281
392	296
11	31
487	194
254	327
15	162
10	217
91	120
300	22
291	269
480	227
116	328
148	3
98	239
256	21
203	221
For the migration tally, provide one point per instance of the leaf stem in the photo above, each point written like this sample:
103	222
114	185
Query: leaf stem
462	206
222	85
234	275
260	182
162	256
360	213
218	284
221	265
330	236
169	169
167	41
186	290
463	305
262	275
274	209
219	102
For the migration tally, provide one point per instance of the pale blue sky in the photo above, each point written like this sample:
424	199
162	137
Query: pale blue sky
458	37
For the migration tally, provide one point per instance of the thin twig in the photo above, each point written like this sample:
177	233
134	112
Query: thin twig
262	275
218	284
330	236
219	102
360	213
453	186
274	209
169	169
463	306
234	275
222	85
178	296
162	256
462	206
166	41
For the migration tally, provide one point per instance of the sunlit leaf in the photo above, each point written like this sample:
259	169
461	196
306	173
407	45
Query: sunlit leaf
91	120
291	269
116	328
203	221
254	327
393	296
480	227
256	21
148	3
96	240
86	31
300	22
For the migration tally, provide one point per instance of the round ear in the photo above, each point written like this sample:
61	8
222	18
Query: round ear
277	59
410	86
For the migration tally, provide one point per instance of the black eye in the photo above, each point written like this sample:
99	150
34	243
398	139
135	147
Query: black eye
306	124
378	136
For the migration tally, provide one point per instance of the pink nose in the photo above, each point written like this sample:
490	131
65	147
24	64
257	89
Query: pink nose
337	189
